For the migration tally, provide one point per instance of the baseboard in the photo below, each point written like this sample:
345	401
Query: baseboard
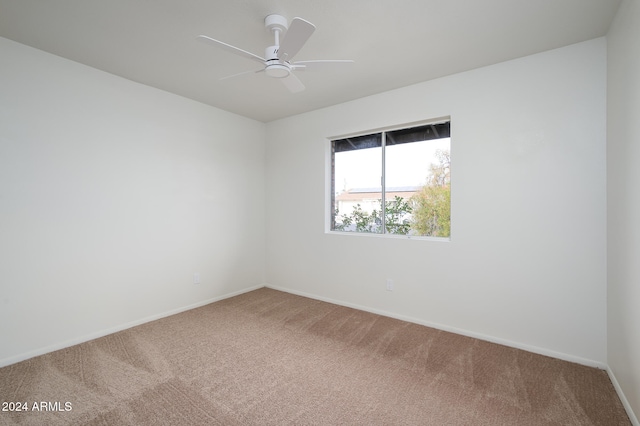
41	351
623	398
492	339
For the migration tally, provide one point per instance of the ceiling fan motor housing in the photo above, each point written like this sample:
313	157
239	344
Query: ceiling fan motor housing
274	67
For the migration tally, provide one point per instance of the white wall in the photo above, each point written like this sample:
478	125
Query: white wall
526	264
623	196
112	194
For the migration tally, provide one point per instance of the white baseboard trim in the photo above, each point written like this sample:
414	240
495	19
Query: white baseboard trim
91	336
492	339
623	398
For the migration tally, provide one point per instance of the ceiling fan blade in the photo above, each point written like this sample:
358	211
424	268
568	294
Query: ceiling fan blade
296	36
292	83
242	73
322	64
230	48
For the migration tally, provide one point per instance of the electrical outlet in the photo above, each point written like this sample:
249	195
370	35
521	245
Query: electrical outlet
196	278
389	284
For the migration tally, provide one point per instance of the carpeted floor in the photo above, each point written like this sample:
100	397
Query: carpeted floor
272	358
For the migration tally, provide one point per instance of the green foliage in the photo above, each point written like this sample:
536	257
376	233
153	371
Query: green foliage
346	221
364	221
396	221
432	211
432	204
396	213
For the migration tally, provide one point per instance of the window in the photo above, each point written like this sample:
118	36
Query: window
393	182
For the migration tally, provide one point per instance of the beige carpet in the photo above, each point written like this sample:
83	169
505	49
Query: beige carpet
272	358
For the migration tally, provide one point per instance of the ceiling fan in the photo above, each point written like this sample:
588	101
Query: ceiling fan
277	61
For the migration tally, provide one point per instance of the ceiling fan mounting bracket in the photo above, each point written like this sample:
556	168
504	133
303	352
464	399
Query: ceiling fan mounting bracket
276	23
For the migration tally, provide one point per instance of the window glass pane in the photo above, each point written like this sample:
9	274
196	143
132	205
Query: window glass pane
418	188
357	190
416	166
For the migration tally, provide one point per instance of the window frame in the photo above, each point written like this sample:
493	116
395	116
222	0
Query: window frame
330	179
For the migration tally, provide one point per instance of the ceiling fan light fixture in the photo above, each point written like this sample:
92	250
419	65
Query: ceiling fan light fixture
277	70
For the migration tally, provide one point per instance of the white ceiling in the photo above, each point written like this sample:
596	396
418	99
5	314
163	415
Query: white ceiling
394	43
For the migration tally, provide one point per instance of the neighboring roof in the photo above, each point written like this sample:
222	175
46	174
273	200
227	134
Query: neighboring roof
359	194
